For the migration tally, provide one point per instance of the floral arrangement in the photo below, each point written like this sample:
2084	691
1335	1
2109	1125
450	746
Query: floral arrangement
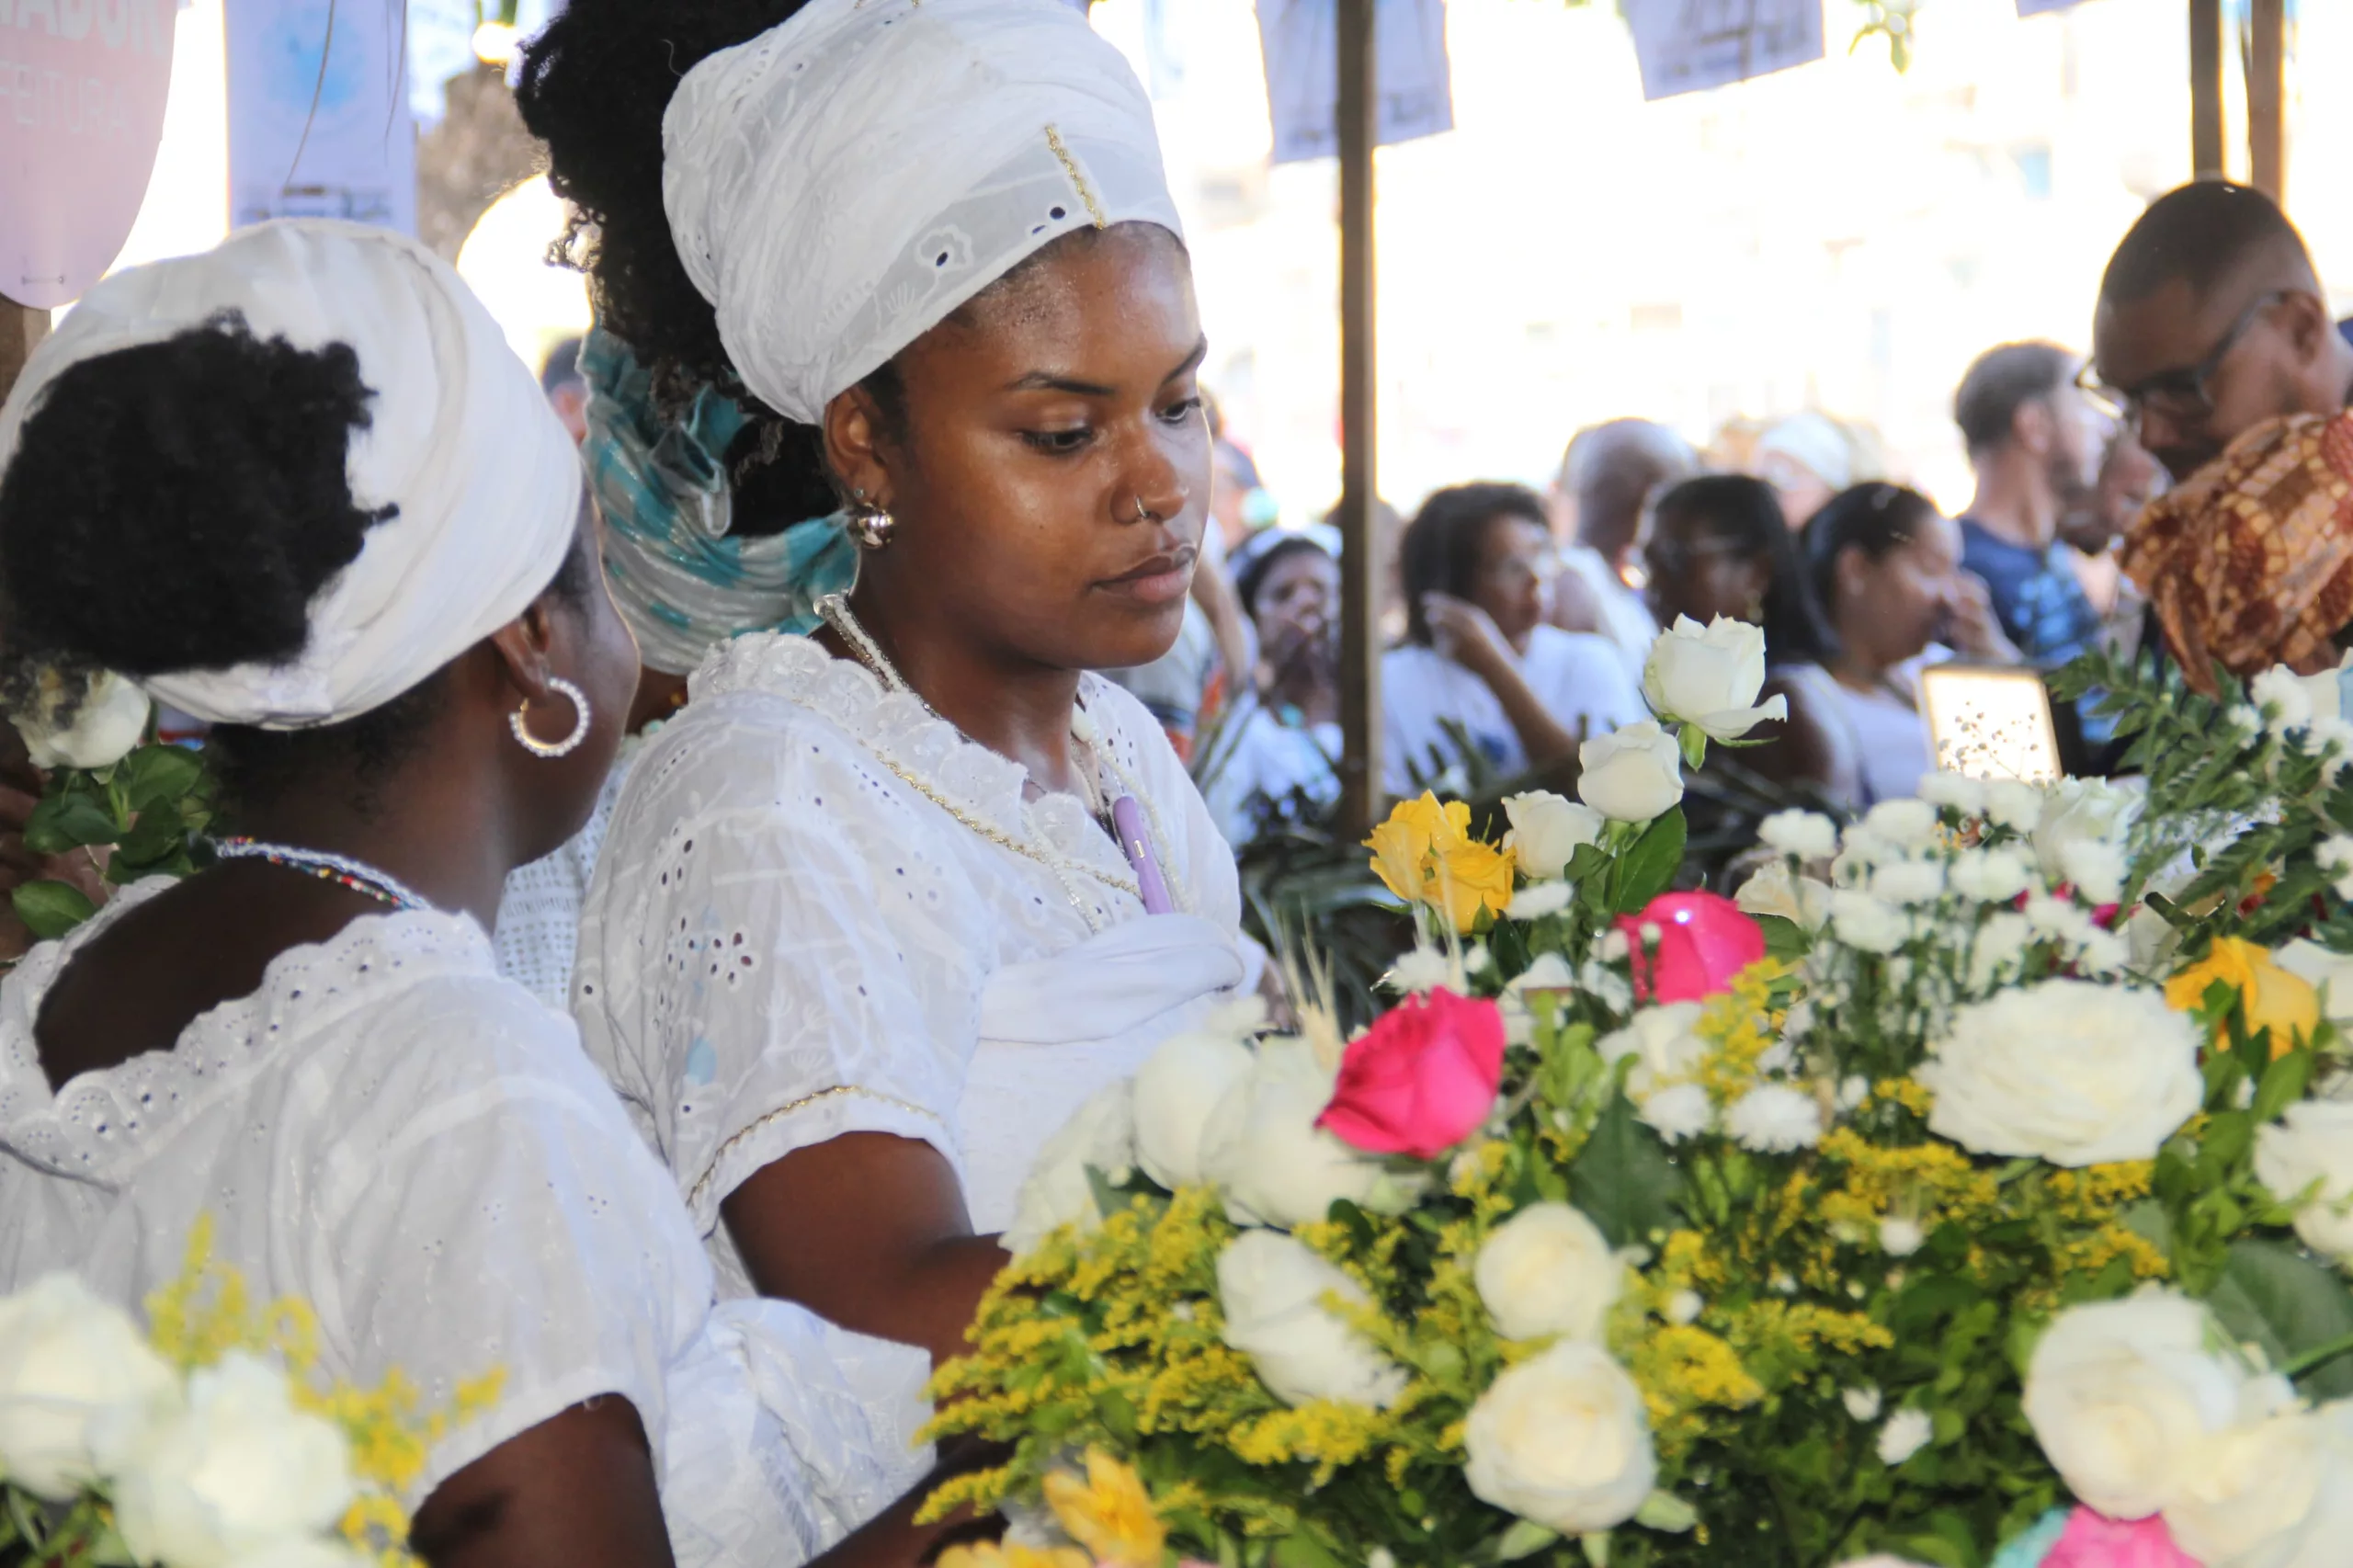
207	1442
1974	1189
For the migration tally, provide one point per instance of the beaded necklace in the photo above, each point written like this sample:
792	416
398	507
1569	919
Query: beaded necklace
357	875
1145	852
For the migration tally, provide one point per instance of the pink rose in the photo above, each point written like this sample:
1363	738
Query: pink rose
1421	1080
1702	942
2093	1540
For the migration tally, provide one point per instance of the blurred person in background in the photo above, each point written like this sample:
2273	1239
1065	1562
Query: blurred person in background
1886	570
1388	533
1279	742
1478	561
567	388
2211	318
1719	545
2130	479
1807	459
1608	474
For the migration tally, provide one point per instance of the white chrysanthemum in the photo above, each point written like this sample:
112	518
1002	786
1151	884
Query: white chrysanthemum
1899	1237
1991	876
2009	803
1866	923
1909	882
2335	857
1863	1402
1956	791
1681	1111
1908	823
1906	1434
1809	835
1774	1119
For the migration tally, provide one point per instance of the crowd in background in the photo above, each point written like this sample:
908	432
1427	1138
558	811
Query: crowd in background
1517	622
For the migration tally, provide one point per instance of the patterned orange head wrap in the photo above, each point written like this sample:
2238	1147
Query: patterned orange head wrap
2250	563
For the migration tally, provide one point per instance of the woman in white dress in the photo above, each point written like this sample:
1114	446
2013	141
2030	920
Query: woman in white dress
881	907
1279	744
299	488
1480	661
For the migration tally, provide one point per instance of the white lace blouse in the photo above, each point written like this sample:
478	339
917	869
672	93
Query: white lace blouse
419	1150
808	920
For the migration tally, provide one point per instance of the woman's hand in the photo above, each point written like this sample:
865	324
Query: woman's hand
1976	630
1462	632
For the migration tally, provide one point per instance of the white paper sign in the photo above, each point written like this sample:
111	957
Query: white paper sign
1300	41
307	142
1686	46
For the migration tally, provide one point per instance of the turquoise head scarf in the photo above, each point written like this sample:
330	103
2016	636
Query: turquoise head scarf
683	581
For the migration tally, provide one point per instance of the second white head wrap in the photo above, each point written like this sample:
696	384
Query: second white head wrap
486	481
840	184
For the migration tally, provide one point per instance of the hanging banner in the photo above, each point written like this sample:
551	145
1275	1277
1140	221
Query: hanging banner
1686	46
1301	41
2042	7
319	122
87	81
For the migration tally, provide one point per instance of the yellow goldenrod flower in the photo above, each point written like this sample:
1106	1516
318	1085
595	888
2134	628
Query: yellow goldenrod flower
1109	1512
2271	997
995	1554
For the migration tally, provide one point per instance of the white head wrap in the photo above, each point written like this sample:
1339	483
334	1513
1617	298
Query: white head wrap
840	184
486	481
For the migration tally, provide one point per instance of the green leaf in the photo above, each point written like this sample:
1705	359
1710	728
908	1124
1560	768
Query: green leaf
159	775
1304	1550
50	909
1694	741
1785	940
1524	1539
1623	1180
69	822
1647	870
1664	1511
2283	1085
2273	1296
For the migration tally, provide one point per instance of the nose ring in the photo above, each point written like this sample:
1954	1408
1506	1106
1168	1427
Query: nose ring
1144	514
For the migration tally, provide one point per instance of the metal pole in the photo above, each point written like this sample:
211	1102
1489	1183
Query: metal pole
21	329
2266	94
2206	88
1361	570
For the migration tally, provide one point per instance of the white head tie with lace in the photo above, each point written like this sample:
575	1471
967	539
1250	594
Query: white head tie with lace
485	481
840	184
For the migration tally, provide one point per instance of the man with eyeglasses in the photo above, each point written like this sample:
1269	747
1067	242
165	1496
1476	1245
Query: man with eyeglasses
2211	319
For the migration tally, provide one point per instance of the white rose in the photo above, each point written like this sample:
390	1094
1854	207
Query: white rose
2122	1396
2330	973
1548	1271
2260	1492
1679	1111
2068	1071
1272	1290
1991	876
1100	1135
77	1385
1176	1088
2013	804
1563	1441
1808	836
1772	891
1957	790
239	1473
2096	868
1664	1043
1908	824
1709	677
1632	773
1906	1434
1865	922
1262	1148
1546	830
2312	1142
2078	809
108	717
1909	882
1774	1119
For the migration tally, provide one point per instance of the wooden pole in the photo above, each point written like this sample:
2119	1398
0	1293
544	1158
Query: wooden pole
21	329
2266	97
1361	570
2206	88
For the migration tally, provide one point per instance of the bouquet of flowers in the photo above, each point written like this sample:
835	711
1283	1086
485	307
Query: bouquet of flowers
210	1441
1973	1189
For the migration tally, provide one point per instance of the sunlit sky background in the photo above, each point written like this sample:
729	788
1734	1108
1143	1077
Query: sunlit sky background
1840	236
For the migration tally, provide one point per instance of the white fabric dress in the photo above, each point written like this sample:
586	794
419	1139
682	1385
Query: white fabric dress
1577	677
1260	761
791	937
415	1147
538	914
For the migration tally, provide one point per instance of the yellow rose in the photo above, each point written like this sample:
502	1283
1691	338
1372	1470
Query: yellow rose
1109	1512
1425	854
2269	996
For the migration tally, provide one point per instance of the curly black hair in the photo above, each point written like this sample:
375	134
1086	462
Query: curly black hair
178	505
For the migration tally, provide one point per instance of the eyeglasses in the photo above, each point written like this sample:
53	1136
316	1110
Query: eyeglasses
2181	395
